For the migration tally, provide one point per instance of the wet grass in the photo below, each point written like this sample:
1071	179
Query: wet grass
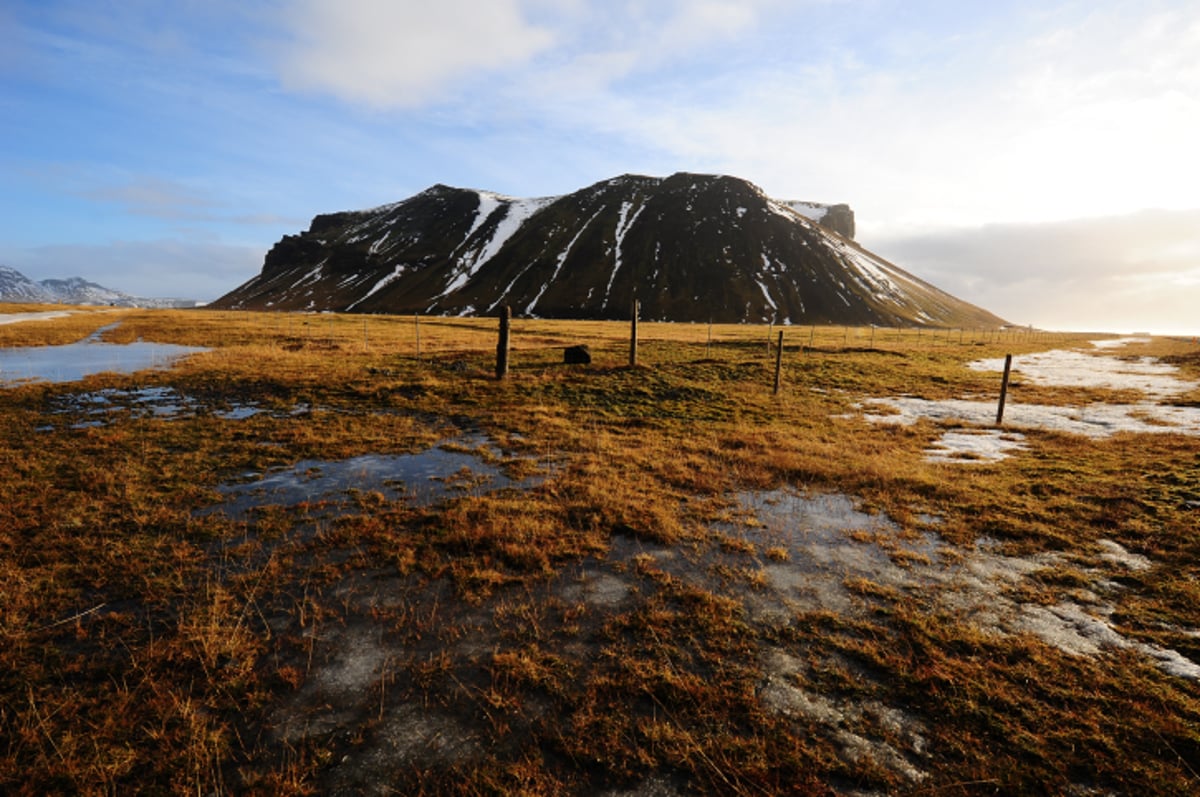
596	632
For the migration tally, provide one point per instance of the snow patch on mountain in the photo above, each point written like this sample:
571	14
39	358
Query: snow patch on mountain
562	258
624	222
809	210
516	213
396	274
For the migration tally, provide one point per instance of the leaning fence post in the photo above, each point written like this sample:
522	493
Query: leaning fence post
1003	389
502	346
778	362
633	335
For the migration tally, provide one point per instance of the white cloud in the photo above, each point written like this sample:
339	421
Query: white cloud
390	54
403	55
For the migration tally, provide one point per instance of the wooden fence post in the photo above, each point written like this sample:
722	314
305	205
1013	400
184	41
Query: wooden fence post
778	362
502	346
1003	389
633	340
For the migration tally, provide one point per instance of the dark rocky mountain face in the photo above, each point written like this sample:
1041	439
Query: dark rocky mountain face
687	247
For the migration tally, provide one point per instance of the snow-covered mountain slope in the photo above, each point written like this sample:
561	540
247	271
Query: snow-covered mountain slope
76	290
688	247
16	287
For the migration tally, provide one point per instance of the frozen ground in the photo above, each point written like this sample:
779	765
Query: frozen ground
974	441
16	318
807	553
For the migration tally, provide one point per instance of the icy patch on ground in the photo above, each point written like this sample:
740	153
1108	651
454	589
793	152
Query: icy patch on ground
17	318
1116	343
1078	625
974	445
781	554
1079	369
848	720
1093	420
830	544
1059	368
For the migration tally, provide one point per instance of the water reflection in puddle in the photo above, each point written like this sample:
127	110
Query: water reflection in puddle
423	479
105	407
91	355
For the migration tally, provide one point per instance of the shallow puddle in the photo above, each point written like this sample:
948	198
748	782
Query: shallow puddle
111	405
102	407
91	355
423	479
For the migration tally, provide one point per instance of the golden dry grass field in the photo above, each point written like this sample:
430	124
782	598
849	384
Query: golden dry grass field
334	554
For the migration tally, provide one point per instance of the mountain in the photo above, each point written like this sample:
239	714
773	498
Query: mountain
16	287
688	247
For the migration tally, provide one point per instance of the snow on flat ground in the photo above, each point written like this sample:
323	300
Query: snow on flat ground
1080	369
1157	381
16	318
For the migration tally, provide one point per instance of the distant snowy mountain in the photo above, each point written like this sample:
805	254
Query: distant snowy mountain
688	247
16	287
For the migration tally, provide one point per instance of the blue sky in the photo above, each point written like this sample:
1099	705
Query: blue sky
1036	158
